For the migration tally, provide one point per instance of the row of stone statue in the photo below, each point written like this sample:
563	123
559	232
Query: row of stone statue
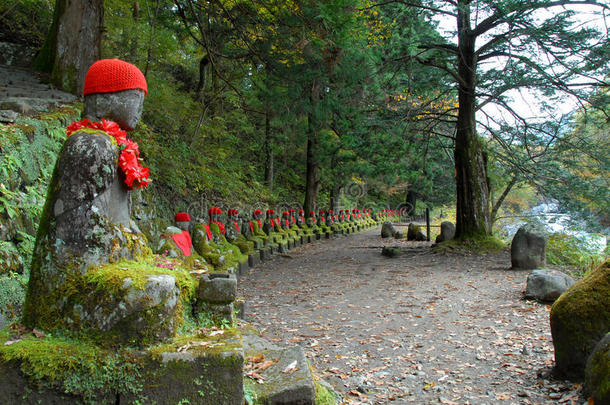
231	242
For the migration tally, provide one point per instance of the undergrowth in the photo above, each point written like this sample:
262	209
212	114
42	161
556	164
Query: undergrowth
572	251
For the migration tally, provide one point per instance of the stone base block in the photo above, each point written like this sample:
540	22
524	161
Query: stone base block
265	254
282	387
254	259
283	248
243	267
190	369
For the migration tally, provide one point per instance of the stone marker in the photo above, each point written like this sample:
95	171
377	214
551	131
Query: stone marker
528	248
547	285
447	232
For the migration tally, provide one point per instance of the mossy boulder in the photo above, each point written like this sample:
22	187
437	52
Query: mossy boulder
597	372
580	318
415	233
528	247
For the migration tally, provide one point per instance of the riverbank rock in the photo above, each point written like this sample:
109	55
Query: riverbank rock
447	232
547	285
415	233
388	230
597	372
580	318
528	248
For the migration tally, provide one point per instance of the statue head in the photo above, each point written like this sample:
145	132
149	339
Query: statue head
233	214
215	214
257	214
270	213
182	220
114	90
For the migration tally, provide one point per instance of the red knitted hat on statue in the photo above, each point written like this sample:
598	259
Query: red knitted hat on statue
110	75
257	212
182	217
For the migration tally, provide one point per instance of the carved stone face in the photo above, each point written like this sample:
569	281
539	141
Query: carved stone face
184	225
123	107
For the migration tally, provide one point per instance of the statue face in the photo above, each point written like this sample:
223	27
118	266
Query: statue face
123	107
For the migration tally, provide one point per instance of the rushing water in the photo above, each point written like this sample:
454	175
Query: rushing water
554	221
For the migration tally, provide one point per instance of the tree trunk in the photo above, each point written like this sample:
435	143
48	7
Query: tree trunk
73	43
312	176
268	154
473	216
411	201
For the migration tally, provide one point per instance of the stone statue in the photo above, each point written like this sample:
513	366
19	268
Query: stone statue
86	229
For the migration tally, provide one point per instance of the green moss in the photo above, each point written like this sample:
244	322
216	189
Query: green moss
72	366
580	318
472	244
111	277
201	343
597	381
324	396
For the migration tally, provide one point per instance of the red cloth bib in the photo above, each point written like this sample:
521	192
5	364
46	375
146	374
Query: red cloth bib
251	226
183	241
260	225
237	226
209	232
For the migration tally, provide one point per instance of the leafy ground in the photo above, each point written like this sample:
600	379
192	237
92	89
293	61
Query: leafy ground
422	328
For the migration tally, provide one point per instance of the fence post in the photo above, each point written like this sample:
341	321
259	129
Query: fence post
428	224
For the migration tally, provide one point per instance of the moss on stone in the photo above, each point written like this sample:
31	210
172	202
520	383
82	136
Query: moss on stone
472	244
580	318
597	375
72	366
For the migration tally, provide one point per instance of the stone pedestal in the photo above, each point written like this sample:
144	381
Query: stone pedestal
254	259
265	254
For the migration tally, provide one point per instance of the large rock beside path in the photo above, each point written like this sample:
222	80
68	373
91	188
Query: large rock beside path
447	232
597	372
388	230
528	248
547	285
580	318
415	233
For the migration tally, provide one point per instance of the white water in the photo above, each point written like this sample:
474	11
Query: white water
555	222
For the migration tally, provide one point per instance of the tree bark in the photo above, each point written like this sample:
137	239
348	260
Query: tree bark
411	201
73	43
312	176
473	217
268	154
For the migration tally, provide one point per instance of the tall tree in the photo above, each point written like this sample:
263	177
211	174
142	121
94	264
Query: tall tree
73	43
538	45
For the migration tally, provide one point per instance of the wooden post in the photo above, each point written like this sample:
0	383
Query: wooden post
428	224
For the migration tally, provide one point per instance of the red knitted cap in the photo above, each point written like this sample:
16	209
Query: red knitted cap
182	217
301	212
257	212
110	75
270	212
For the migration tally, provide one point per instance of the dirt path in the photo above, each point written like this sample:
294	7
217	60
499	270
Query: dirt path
425	328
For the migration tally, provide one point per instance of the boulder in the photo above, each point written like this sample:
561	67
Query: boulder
597	372
447	232
580	318
547	285
387	230
528	248
415	233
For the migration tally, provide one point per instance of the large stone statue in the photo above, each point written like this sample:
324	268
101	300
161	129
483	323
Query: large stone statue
86	228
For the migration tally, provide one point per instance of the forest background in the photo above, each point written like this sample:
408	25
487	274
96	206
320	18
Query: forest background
342	104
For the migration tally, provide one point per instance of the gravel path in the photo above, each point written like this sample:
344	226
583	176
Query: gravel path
422	328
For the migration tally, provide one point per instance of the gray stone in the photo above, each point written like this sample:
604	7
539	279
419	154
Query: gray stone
123	107
547	285
415	233
16	55
528	248
387	230
253	259
447	232
8	116
217	288
281	386
597	372
398	235
265	254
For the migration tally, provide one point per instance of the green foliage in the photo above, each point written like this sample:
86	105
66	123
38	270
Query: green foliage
575	252
25	21
13	287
